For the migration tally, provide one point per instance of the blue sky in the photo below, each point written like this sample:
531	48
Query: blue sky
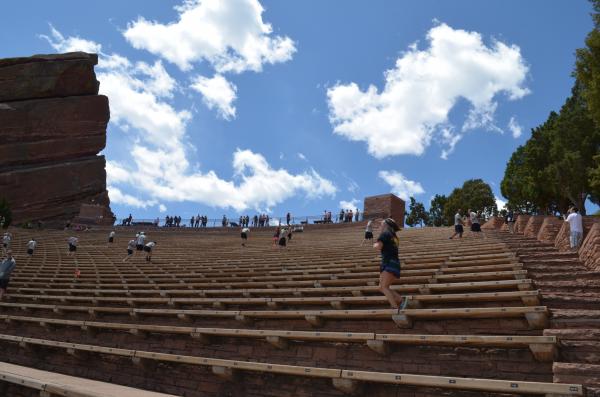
239	106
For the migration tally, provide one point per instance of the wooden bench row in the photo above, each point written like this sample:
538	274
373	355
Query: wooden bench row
543	348
313	281
54	384
345	380
536	316
529	298
187	289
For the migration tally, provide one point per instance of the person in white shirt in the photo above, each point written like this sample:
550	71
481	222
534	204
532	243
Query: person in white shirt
575	221
130	247
148	249
141	238
368	232
244	235
31	246
111	237
458	225
475	227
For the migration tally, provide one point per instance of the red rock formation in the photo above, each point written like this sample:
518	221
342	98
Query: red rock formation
52	124
521	222
549	229
533	225
562	241
589	253
384	206
495	222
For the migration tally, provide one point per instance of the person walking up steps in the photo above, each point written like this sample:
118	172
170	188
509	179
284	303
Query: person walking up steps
131	245
111	237
368	232
140	239
458	225
73	241
6	268
387	243
276	236
148	249
31	247
575	221
282	238
244	235
6	239
474	218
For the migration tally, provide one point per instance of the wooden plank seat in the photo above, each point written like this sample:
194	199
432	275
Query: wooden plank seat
299	267
543	348
345	380
536	316
524	284
357	280
341	274
55	384
531	298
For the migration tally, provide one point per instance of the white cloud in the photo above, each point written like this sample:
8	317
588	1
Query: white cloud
70	44
162	208
217	92
118	197
400	186
349	205
500	203
155	135
515	127
228	34
422	89
301	156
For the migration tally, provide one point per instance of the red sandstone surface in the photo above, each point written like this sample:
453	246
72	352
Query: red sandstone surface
53	124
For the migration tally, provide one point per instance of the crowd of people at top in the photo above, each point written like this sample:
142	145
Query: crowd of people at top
344	216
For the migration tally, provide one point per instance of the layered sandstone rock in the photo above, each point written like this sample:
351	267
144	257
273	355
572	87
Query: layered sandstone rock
562	241
384	206
549	229
521	222
533	225
589	253
495	222
52	124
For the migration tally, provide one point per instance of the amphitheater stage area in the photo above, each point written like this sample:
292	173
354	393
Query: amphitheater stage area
491	314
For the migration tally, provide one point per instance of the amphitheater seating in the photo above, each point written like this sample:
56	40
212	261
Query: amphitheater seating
204	290
225	369
53	384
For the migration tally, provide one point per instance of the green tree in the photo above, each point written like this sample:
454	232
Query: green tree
587	66
436	210
474	194
595	177
575	141
417	215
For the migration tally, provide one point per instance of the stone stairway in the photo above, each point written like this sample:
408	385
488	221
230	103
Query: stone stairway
572	293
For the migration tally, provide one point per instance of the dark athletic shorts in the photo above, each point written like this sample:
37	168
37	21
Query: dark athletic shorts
139	247
392	267
4	283
458	228
29	251
475	227
72	248
282	242
147	249
368	235
111	239
129	252
5	245
244	236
